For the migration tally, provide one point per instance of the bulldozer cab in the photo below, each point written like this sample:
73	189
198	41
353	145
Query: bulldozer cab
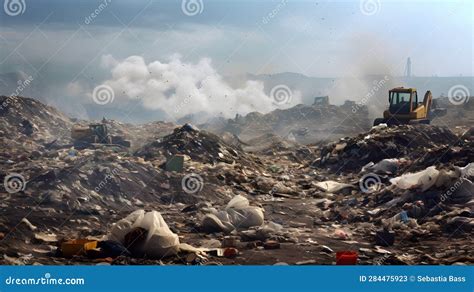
405	107
100	131
403	100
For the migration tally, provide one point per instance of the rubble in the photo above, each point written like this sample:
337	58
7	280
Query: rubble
297	124
405	141
199	145
391	195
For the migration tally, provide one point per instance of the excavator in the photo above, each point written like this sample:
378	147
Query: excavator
87	136
406	108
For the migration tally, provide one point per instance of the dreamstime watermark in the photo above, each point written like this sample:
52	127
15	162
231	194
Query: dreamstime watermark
369	7
108	177
103	94
281	94
45	280
370	183
192	183
22	85
192	7
381	260
457	185
377	85
14	183
90	18
266	19
14	7
270	195
458	94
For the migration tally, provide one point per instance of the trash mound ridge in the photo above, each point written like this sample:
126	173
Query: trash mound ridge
200	146
410	141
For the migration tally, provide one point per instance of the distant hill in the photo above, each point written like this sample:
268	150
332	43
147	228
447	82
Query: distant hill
338	89
341	89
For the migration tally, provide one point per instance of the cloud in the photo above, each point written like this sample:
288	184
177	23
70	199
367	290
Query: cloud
181	89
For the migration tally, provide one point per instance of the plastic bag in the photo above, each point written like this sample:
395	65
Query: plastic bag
238	214
242	215
467	171
160	240
464	192
125	225
330	186
386	166
422	180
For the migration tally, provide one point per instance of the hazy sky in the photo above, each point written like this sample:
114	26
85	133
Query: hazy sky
316	38
177	56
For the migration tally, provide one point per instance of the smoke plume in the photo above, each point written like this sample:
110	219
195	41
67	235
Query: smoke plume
182	89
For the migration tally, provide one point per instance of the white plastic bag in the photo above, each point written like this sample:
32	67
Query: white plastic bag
125	225
464	192
467	171
238	214
160	240
422	180
331	186
242	215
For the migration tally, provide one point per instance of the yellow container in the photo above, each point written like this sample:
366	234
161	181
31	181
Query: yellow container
77	247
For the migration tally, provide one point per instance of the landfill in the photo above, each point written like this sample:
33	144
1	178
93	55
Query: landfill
196	195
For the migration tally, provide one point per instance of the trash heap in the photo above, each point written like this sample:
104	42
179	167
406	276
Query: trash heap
443	198
199	145
320	121
399	195
28	126
269	144
407	141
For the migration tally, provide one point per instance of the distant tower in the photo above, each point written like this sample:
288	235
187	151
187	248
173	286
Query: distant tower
408	68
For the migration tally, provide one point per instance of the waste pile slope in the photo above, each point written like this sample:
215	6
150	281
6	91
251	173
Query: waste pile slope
27	125
406	141
400	195
302	123
199	145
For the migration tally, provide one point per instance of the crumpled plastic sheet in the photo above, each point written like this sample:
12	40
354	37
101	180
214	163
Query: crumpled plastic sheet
238	214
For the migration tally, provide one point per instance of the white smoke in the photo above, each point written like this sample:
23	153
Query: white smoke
181	89
371	71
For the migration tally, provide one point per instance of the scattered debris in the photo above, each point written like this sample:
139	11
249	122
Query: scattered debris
346	257
250	192
77	247
271	244
384	238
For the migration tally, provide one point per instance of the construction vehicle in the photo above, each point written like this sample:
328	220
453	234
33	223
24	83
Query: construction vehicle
405	107
87	136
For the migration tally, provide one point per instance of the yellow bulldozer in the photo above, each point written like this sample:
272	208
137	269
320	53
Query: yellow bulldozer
92	134
405	107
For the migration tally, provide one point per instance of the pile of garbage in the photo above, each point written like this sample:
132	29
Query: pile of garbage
91	179
199	145
430	192
302	123
29	117
407	141
269	143
28	126
399	195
